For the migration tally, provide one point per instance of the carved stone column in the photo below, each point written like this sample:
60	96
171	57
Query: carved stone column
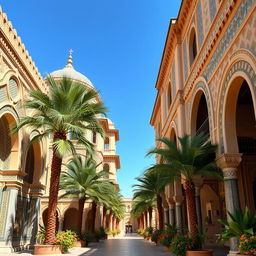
178	212
172	213
198	183
61	221
229	164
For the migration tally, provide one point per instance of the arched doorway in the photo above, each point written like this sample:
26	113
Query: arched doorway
9	143
45	215
71	220
199	118
240	137
33	164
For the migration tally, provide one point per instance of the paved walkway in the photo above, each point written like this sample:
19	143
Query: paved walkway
130	245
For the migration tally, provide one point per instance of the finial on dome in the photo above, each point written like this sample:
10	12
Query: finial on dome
70	61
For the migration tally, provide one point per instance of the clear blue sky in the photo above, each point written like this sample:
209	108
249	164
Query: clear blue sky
118	45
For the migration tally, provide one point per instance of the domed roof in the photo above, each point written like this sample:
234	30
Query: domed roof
69	72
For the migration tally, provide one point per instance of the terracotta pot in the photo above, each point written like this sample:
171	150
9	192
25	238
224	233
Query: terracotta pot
199	253
80	243
47	249
167	249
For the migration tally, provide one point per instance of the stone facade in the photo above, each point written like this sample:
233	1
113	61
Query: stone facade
24	171
209	58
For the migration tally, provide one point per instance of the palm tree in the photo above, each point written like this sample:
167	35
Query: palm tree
152	185
195	157
69	108
83	181
143	203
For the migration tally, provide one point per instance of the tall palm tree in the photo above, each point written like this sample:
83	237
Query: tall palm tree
69	108
195	157
83	181
152	185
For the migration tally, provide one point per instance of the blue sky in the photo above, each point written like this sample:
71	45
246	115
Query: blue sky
118	45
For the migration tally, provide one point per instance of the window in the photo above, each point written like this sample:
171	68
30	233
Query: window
106	143
170	94
192	46
94	137
106	169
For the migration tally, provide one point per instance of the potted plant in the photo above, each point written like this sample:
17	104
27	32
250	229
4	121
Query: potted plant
247	245
168	236
181	244
87	238
156	236
45	249
65	239
243	227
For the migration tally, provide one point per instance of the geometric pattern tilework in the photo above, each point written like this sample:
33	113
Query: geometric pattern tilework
245	67
185	58
200	24
26	218
212	8
13	88
4	200
3	95
173	81
232	29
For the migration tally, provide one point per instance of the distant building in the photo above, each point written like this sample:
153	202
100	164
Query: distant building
24	172
206	84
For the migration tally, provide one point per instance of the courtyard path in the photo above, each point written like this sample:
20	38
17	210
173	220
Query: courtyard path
130	245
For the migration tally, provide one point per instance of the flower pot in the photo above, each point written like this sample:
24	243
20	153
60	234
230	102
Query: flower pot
80	243
199	253
167	249
47	249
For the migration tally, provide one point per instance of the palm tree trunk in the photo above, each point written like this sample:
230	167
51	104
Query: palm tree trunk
150	215
53	192
160	212
191	204
94	211
80	214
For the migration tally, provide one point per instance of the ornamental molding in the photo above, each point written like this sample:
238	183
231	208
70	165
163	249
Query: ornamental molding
228	162
16	51
214	33
238	66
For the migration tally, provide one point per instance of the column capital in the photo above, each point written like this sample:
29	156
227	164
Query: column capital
229	164
229	160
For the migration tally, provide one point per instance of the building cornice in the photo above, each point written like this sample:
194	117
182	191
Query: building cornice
16	51
114	158
108	130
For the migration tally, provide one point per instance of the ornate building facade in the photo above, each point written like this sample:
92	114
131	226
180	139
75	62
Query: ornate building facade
207	84
24	171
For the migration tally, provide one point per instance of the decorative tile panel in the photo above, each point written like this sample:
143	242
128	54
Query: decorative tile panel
245	67
200	24
3	95
232	29
185	59
212	6
4	195
13	88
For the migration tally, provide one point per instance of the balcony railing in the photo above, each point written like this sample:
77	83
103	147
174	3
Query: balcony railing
204	128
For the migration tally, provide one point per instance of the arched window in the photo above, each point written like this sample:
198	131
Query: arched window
30	165
94	137
169	94
106	143
192	46
106	169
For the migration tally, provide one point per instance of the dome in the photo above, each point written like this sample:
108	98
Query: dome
71	73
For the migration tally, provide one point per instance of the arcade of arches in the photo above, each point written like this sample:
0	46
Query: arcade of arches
212	75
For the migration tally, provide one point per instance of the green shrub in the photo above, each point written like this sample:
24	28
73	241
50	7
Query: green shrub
247	244
155	237
87	237
149	231
41	234
66	239
180	244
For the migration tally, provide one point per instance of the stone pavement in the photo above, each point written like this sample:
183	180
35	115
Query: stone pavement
129	245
